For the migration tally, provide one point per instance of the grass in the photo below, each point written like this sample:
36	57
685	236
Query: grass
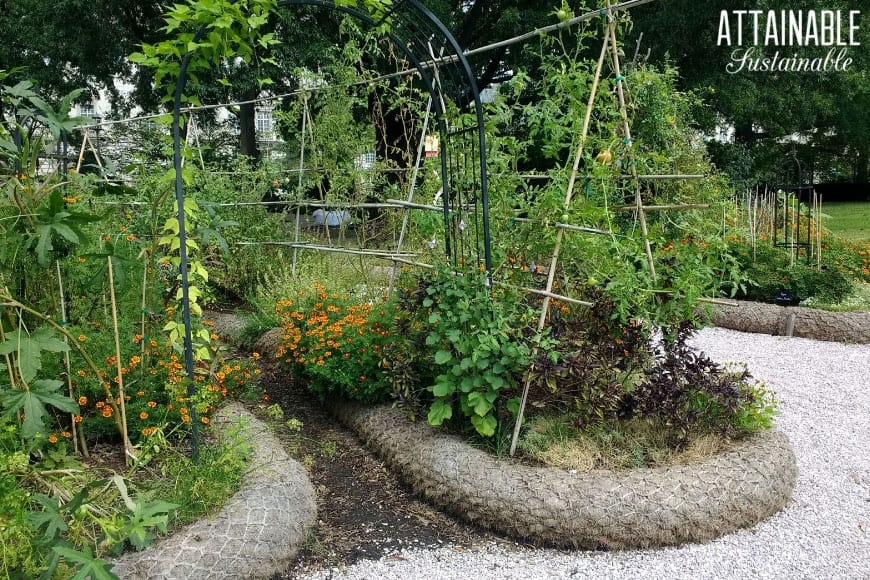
554	441
857	301
848	220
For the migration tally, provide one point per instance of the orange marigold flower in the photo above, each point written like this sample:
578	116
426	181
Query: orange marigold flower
152	404
81	260
83	400
52	438
82	338
185	418
77	419
100	404
143	415
255	356
204	420
137	338
107	411
66	434
81	373
107	238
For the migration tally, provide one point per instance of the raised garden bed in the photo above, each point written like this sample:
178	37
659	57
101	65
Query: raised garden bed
851	327
640	508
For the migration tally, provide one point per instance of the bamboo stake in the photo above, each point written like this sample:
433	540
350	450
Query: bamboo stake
567	227
679	206
412	205
128	447
551	295
336	249
623	109
76	432
82	150
561	232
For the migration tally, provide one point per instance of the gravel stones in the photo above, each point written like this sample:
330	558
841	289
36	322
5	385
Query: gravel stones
824	532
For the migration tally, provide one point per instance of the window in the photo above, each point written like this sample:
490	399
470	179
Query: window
87	110
264	123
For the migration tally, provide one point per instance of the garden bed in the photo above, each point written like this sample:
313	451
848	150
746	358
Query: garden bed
257	532
851	327
640	508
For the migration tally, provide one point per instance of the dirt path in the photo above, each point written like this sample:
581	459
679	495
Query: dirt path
364	511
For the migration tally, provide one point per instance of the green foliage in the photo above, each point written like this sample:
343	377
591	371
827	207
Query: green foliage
201	489
772	272
229	30
472	336
538	122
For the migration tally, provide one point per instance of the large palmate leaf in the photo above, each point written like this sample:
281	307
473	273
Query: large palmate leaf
28	350
32	404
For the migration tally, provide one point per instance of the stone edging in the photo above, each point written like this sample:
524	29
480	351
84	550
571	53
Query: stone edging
257	532
603	509
851	327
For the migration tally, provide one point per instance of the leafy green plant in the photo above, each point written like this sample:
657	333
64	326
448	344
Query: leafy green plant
474	339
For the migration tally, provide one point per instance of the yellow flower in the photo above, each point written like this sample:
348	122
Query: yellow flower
83	401
82	338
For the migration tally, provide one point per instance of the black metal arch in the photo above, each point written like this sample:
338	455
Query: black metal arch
433	51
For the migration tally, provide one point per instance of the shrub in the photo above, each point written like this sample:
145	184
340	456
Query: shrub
771	274
689	393
590	362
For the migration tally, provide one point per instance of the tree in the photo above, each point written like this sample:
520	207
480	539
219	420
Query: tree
825	108
68	44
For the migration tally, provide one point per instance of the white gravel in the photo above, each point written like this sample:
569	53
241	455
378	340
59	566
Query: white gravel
824	393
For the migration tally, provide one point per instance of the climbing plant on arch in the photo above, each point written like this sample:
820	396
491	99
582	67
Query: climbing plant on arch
204	32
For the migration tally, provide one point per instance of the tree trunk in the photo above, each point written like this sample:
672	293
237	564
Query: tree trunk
862	165
396	139
248	127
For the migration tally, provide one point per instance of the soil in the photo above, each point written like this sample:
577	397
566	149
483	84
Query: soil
364	511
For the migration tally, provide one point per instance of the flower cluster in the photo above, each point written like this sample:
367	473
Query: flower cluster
337	342
156	384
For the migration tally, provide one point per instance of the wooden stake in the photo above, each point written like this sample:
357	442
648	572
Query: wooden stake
78	446
561	232
129	454
623	110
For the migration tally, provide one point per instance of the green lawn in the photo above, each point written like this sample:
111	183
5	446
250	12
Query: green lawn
849	220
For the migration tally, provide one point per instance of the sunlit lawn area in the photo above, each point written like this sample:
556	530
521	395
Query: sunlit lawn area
849	220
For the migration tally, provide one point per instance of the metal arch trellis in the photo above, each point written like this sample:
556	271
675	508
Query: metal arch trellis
435	54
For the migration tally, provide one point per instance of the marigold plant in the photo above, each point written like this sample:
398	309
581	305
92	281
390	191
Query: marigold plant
337	342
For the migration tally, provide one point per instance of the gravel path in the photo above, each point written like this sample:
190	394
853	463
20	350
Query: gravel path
824	392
